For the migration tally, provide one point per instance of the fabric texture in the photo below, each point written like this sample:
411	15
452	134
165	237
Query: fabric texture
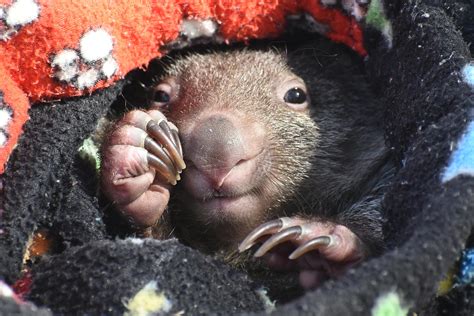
418	60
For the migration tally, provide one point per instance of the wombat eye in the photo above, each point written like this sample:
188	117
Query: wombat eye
294	93
295	96
161	95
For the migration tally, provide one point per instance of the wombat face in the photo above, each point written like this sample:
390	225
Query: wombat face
248	138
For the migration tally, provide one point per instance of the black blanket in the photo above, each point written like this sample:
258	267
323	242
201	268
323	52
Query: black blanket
418	61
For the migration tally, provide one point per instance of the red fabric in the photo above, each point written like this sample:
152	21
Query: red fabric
23	285
138	29
15	99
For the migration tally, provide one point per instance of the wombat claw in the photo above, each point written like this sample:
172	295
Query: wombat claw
166	156
279	238
313	244
262	230
306	235
282	233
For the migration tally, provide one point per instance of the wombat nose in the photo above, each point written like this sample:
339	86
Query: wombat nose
217	145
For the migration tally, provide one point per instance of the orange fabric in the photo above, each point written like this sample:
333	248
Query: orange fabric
138	30
16	100
202	9
242	20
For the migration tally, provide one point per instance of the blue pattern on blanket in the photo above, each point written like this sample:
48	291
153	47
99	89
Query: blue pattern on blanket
462	159
466	273
468	74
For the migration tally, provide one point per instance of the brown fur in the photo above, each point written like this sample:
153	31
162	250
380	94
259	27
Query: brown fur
329	163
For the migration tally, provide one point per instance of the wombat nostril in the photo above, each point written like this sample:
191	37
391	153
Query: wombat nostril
241	161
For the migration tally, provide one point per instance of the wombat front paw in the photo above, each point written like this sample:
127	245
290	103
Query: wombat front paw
141	157
319	250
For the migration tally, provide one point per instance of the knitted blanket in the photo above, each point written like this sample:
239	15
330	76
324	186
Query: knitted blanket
62	68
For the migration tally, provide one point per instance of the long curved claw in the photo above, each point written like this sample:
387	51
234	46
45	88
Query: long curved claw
165	128
264	229
313	244
177	142
162	168
285	235
160	153
175	134
157	132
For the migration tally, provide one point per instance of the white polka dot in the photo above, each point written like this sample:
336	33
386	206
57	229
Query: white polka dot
22	12
5	290
96	45
136	241
5	117
67	74
109	67
87	79
65	58
3	139
193	28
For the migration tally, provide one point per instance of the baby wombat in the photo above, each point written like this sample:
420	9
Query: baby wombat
281	148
